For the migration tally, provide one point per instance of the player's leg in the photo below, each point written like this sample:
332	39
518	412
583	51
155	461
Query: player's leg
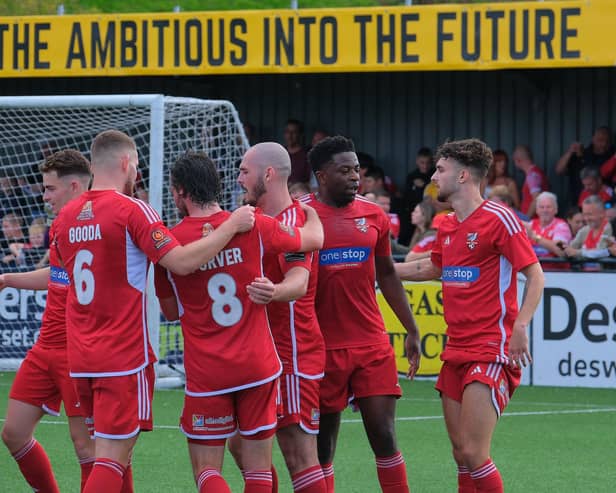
451	413
477	422
298	427
17	435
206	457
32	394
256	417
208	422
334	396
450	385
83	443
375	386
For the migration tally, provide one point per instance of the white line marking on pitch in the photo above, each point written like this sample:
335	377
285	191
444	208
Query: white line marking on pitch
417	418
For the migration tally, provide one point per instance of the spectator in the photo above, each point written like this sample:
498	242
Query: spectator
578	157
383	199
548	234
294	143
12	225
535	180
373	180
10	199
415	184
500	194
593	185
31	252
575	220
593	239
498	174
298	189
318	135
366	161
424	235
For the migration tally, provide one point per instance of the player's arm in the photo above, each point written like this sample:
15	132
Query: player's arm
36	280
169	308
394	294
312	231
293	286
183	260
418	270
519	353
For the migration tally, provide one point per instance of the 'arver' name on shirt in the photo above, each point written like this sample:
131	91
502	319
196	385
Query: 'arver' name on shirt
229	256
91	232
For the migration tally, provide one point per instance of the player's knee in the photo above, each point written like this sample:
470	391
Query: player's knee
84	445
234	444
13	437
472	455
383	441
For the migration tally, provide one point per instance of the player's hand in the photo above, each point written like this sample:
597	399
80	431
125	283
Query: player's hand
519	355
2	282
243	218
411	344
261	290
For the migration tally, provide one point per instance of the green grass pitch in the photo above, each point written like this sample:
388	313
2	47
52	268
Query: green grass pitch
549	440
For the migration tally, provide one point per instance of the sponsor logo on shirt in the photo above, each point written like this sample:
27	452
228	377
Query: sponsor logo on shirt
459	276
160	239
361	224
341	256
471	240
86	212
198	421
58	275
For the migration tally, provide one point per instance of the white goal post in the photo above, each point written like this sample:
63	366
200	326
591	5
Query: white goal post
163	127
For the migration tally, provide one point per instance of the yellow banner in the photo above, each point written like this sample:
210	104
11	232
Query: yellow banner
426	302
434	37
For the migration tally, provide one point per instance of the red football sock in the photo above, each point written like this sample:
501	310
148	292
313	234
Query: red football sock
465	482
309	480
392	474
258	482
274	480
127	482
86	468
211	481
328	474
487	479
106	477
36	468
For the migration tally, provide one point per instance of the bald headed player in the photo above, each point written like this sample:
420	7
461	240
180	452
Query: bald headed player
106	239
289	290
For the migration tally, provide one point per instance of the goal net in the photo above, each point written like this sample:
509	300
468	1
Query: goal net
163	127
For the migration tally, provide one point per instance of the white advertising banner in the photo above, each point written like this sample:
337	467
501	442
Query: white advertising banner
573	334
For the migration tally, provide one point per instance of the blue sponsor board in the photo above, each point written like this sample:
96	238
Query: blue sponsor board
346	255
454	273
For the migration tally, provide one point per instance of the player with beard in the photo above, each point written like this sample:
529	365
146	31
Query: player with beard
230	359
105	239
360	363
289	292
478	253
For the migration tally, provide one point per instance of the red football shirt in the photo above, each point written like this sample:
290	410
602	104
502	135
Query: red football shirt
53	325
480	258
227	341
346	300
105	239
294	324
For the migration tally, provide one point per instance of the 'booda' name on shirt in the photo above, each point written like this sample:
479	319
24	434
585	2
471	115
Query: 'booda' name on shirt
229	256
91	232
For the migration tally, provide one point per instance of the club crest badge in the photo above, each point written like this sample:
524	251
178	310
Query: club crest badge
447	240
471	240
206	230
361	224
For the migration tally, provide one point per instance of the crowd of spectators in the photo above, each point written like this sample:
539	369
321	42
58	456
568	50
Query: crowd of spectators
579	237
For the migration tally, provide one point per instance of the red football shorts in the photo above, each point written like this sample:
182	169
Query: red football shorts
354	373
502	380
216	418
121	406
299	403
43	381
